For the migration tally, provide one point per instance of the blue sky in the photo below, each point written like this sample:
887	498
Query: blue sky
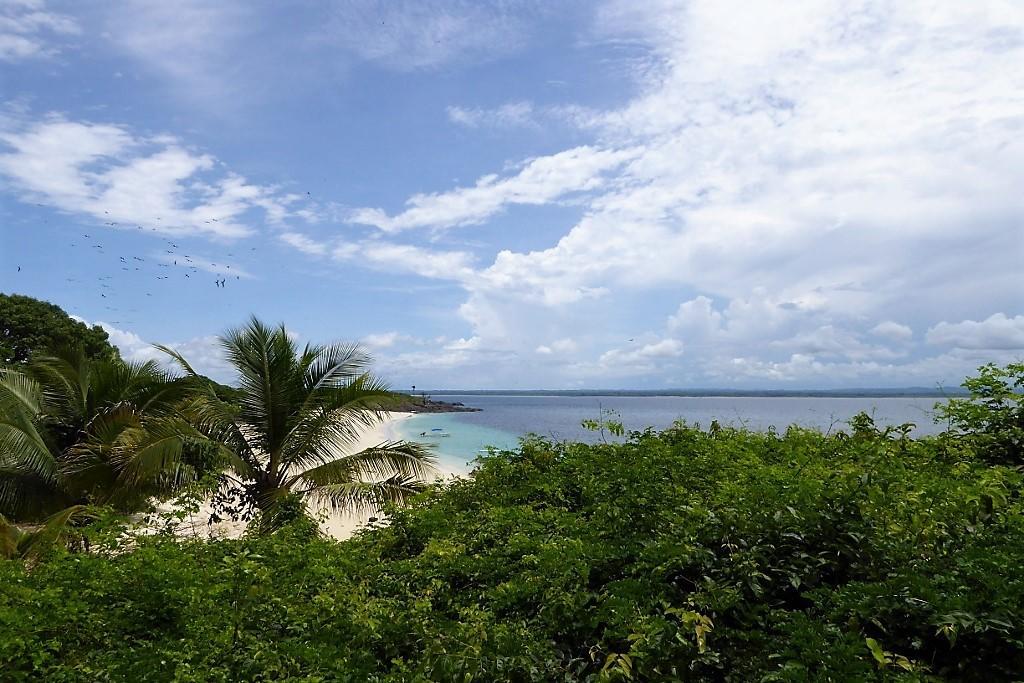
516	194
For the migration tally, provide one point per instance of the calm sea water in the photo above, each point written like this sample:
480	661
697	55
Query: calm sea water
504	419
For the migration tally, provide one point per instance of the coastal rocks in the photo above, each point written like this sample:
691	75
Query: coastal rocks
418	404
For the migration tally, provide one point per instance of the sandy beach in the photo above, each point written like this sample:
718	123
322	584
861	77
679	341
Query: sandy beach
339	525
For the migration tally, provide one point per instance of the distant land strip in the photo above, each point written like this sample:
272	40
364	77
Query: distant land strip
901	392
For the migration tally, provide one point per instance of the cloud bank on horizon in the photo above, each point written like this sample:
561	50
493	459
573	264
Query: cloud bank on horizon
611	194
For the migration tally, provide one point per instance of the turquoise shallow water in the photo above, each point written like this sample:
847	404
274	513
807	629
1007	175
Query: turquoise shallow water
464	443
504	419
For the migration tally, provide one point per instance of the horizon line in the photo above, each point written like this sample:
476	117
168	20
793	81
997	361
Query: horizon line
853	392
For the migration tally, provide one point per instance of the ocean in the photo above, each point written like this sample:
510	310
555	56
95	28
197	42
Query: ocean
503	420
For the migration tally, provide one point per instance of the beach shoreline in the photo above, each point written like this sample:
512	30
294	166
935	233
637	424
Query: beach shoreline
338	525
341	525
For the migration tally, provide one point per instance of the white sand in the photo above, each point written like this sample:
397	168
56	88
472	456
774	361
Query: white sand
342	525
336	524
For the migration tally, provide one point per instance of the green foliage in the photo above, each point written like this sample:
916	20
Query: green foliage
62	528
991	421
607	421
287	433
29	326
686	555
76	430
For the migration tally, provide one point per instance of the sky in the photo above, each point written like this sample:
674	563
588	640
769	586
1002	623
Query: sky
527	194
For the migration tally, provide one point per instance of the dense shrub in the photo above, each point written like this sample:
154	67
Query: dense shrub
991	421
29	327
721	555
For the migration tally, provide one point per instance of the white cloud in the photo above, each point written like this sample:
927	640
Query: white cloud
696	318
509	115
834	342
383	340
407	35
859	162
471	344
198	262
194	45
540	181
646	356
29	30
893	330
407	258
222	56
207	357
995	332
303	243
849	166
204	354
559	346
153	184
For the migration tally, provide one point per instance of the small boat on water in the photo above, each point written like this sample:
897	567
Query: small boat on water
435	432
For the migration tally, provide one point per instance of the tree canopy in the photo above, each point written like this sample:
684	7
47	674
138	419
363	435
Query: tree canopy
77	430
29	326
293	431
686	555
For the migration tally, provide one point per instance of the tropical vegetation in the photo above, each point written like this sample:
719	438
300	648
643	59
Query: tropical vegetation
690	554
290	435
29	325
76	430
81	433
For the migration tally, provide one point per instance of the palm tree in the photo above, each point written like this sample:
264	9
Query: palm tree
28	545
289	437
76	430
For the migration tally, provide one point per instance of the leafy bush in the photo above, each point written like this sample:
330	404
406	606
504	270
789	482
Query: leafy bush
722	555
992	420
29	326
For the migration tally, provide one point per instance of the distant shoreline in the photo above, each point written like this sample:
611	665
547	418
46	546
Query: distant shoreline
910	392
424	404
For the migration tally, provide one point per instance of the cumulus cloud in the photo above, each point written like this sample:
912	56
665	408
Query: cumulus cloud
558	346
762	198
892	330
831	341
646	355
848	167
540	181
151	184
203	353
998	331
696	318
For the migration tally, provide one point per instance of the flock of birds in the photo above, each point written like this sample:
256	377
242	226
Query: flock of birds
131	263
